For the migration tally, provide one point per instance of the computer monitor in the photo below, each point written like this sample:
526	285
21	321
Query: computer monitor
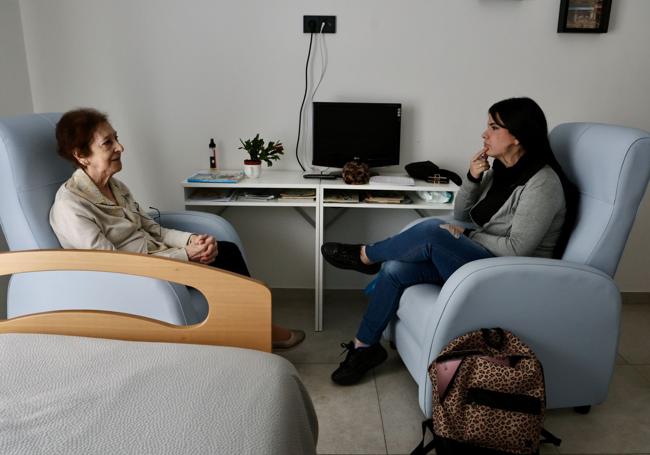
366	132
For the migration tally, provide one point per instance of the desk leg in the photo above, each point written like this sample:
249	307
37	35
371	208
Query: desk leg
318	262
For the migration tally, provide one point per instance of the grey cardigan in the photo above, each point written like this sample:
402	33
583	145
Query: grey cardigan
527	224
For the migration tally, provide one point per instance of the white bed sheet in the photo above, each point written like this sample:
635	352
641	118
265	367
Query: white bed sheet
74	395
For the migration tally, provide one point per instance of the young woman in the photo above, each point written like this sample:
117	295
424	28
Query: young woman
516	207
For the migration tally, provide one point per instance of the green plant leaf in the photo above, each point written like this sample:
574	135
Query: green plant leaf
258	151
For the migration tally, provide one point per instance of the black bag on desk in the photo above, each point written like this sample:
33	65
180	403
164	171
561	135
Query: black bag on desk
423	170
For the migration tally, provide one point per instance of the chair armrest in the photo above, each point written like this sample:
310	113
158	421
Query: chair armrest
567	313
202	223
239	312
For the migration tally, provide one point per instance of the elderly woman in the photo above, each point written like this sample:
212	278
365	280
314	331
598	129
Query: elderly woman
520	205
94	210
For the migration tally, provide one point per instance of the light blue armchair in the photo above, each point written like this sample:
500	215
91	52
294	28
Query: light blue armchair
567	310
30	174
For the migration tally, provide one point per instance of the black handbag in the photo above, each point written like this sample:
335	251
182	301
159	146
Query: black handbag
425	170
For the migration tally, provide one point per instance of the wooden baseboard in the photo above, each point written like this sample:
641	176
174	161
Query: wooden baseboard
635	297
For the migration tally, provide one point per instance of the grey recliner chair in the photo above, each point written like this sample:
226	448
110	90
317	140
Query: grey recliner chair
566	310
30	174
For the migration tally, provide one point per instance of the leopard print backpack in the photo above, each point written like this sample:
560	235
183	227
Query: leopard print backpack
488	397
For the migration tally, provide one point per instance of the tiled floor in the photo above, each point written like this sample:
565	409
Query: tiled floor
381	415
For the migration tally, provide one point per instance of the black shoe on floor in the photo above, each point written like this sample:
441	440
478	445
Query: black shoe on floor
357	362
346	256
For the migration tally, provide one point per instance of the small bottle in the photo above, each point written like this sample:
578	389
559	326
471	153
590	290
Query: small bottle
213	156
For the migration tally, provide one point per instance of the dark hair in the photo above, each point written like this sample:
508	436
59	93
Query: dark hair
525	120
74	132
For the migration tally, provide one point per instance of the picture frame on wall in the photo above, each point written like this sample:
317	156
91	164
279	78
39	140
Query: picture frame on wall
584	16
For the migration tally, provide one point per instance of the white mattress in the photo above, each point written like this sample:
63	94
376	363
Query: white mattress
73	395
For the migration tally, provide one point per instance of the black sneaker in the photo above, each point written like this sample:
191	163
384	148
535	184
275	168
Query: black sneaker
357	362
346	256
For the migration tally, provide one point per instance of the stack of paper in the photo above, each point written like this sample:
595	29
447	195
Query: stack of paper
212	194
298	194
257	195
386	197
341	196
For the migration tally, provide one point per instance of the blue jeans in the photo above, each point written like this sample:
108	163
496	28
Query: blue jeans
425	253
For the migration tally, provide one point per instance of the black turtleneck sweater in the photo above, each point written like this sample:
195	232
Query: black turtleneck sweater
504	182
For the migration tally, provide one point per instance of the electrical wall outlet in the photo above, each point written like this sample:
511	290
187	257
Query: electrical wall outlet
313	24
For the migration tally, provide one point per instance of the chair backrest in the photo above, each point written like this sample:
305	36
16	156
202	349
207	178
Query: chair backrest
30	174
610	165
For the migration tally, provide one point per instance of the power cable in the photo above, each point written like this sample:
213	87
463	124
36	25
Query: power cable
324	60
304	97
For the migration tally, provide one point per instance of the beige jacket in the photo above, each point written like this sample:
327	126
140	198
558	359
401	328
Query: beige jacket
83	218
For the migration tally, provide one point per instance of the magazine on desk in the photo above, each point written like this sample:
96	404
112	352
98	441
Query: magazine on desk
348	197
217	177
386	197
212	195
256	195
298	195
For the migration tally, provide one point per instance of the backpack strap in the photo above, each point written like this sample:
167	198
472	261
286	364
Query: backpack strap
549	438
422	449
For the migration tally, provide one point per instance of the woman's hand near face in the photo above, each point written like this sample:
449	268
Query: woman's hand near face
479	164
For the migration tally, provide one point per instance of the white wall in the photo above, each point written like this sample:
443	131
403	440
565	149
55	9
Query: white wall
173	74
15	95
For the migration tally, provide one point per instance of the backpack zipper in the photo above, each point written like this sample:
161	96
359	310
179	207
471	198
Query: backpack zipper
505	401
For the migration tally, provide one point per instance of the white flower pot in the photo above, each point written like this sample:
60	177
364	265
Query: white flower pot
252	169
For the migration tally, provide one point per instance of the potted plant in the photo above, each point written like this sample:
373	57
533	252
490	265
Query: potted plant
259	152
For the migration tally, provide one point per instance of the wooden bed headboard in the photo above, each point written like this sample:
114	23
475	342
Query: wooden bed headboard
239	307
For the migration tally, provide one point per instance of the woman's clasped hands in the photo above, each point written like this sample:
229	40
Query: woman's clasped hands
202	248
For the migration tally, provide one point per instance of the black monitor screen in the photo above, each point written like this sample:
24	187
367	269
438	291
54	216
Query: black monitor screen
369	132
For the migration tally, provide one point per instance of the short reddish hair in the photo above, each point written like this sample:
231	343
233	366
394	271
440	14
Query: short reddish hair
75	130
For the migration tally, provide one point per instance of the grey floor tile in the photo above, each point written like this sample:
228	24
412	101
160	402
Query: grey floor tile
548	448
294	308
620	360
398	401
634	342
621	425
645	371
348	417
288	296
341	315
382	415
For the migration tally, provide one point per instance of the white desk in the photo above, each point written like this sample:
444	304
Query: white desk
281	180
